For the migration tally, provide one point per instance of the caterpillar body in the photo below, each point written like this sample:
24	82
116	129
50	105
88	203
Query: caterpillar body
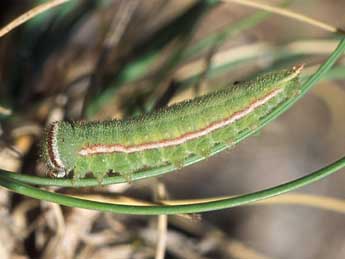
169	135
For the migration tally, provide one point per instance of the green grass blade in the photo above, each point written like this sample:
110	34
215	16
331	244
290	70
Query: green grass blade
33	192
217	38
146	52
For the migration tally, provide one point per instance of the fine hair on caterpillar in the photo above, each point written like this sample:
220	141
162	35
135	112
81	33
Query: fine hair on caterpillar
169	135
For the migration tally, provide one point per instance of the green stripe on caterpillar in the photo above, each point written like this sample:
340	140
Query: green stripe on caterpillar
169	135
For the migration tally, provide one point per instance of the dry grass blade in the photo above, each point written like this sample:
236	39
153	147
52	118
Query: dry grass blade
315	201
4	111
241	251
288	13
29	15
120	22
162	227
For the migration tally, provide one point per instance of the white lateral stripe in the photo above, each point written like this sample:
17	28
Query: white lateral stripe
99	148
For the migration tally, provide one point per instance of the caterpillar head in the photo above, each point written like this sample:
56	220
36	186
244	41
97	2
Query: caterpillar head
50	153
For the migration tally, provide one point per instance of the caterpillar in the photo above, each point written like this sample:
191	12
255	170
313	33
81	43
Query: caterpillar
168	135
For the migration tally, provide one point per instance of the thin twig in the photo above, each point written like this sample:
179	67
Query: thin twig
29	15
288	13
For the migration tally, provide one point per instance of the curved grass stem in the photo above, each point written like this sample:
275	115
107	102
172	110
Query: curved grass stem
65	200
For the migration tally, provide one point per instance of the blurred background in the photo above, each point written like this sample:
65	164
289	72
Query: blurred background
96	60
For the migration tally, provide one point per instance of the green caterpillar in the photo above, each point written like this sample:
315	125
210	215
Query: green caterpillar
168	135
